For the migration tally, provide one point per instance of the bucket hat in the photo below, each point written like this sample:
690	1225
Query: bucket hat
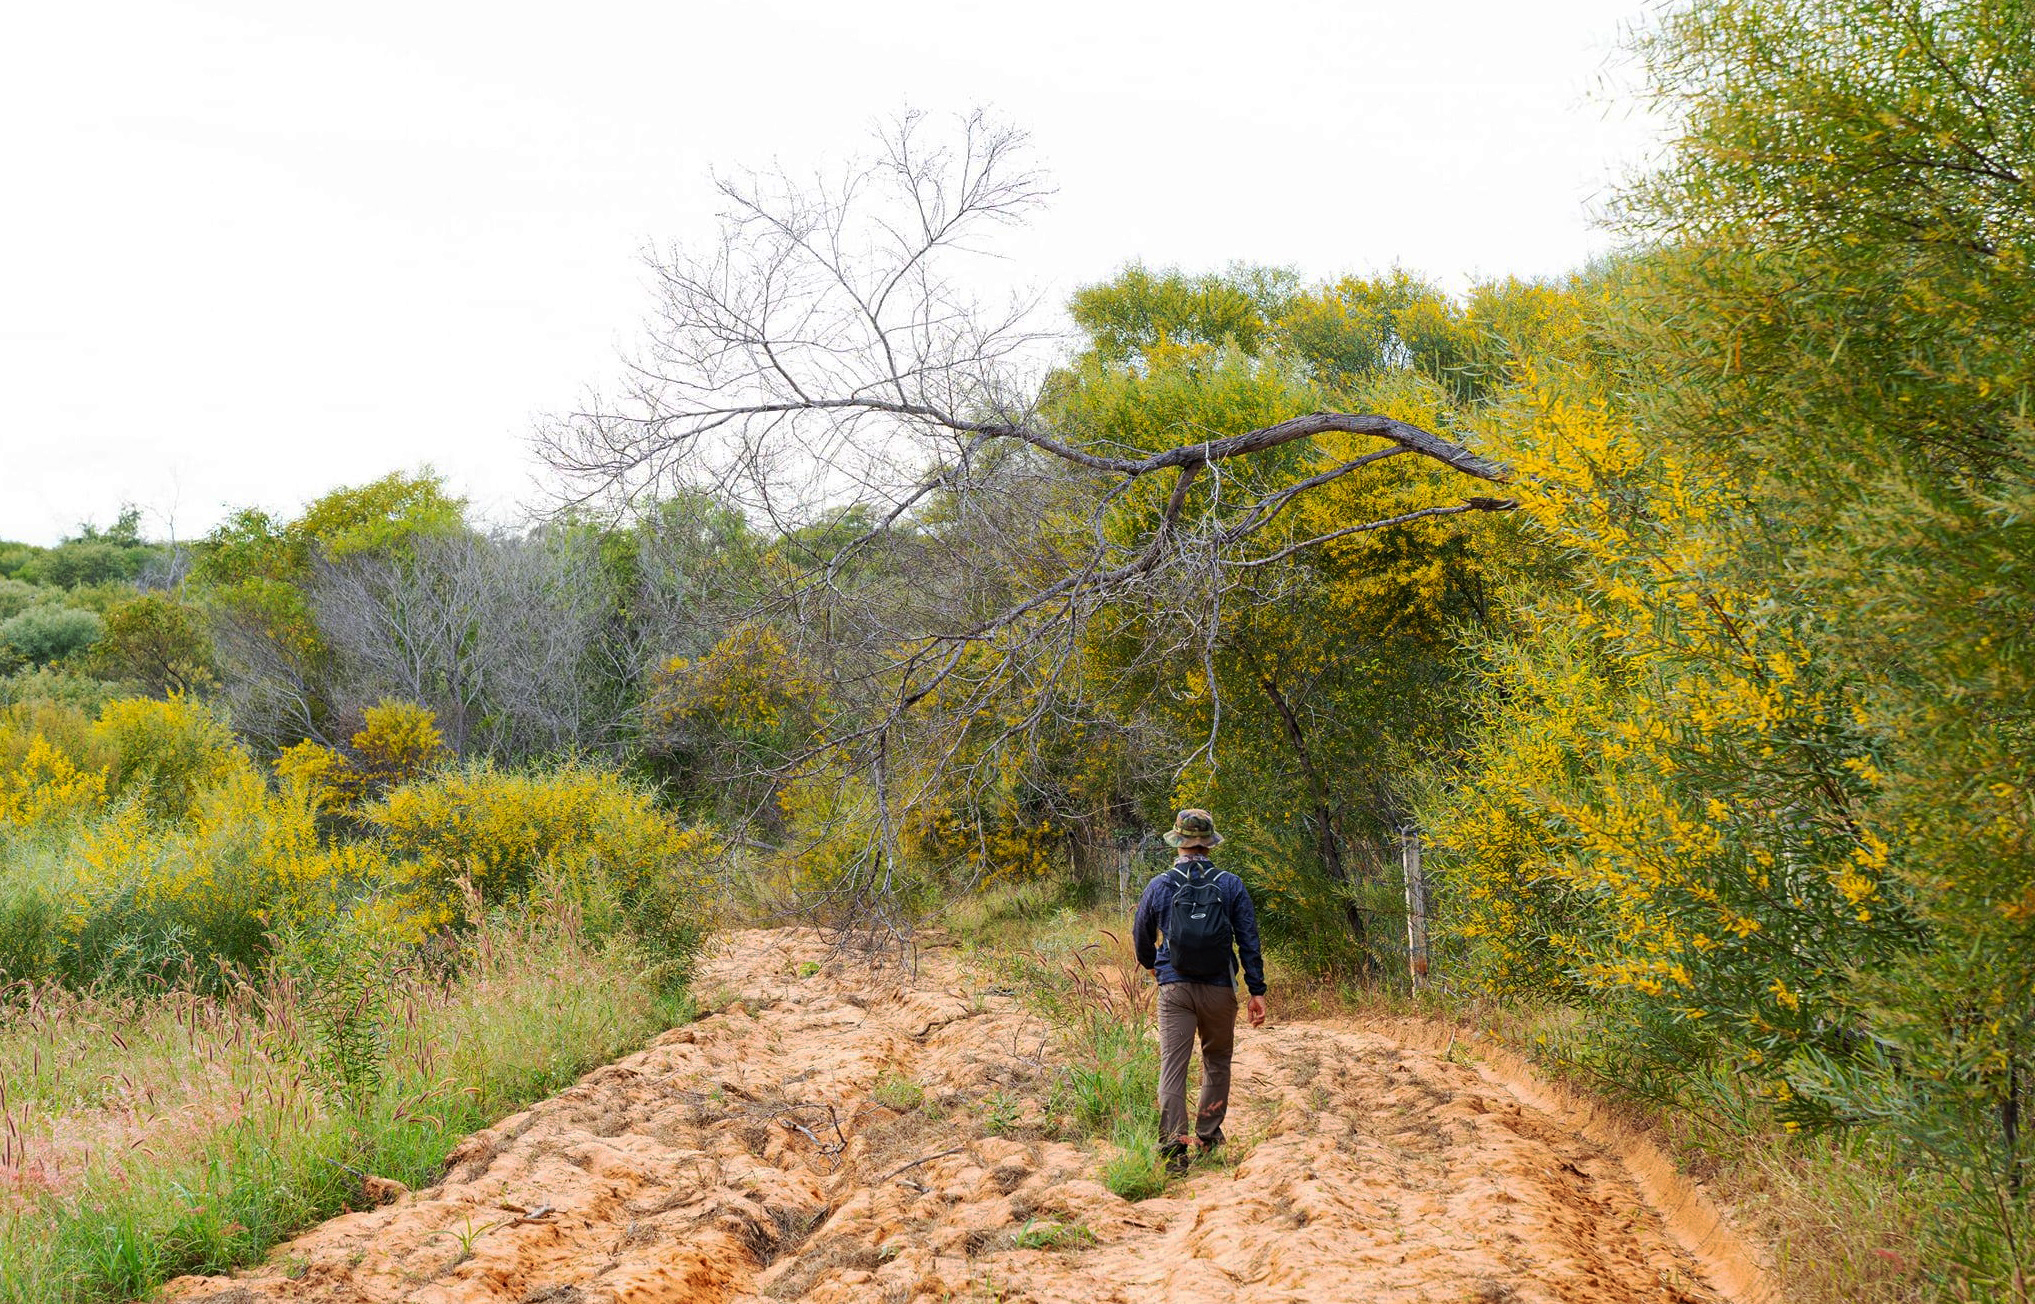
1193	828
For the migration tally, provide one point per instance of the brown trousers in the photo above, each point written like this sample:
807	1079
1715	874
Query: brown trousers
1184	1010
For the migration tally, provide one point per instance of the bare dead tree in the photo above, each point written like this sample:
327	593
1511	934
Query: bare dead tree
823	365
269	681
493	633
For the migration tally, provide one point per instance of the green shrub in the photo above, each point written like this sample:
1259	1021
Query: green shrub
86	561
44	634
17	597
898	1093
588	832
56	685
28	924
14	556
168	753
156	641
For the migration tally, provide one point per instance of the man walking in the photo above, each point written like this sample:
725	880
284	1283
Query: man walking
1208	921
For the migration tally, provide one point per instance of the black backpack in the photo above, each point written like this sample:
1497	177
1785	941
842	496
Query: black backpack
1198	934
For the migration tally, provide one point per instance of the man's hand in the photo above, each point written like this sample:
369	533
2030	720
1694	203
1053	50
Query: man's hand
1257	1011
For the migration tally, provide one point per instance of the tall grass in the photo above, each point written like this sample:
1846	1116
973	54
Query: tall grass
1087	982
148	1135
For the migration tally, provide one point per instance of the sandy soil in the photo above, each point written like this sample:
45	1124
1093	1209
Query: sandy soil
743	1158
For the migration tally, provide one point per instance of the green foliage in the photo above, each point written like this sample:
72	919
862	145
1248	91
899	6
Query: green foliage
44	634
1854	171
1350	332
1854	201
898	1093
1140	312
1752	779
59	685
84	561
388	514
92	557
17	597
15	556
157	641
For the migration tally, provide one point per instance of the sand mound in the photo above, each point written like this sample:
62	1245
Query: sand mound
777	1150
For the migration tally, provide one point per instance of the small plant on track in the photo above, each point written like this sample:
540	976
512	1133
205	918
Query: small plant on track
1038	1234
894	1091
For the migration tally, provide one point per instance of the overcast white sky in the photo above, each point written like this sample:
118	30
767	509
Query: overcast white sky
252	251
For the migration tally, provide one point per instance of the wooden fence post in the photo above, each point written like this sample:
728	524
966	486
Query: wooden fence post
1416	906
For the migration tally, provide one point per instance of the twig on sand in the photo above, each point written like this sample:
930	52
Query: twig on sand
927	1160
788	1120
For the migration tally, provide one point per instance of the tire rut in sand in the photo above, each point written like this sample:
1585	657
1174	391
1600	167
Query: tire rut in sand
751	1156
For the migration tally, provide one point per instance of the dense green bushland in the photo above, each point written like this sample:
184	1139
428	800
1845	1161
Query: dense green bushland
1751	778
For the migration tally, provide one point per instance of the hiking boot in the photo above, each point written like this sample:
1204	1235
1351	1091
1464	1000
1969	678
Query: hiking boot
1177	1157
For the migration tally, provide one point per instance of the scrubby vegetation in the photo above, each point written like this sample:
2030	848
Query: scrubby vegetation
1713	731
241	996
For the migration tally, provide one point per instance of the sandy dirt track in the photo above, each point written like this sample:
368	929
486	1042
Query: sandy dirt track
742	1159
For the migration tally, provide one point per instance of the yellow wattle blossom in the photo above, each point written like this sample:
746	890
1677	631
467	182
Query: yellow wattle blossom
178	838
397	741
47	785
1637	791
496	829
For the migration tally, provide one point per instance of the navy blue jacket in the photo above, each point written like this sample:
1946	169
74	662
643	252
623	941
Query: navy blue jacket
1157	903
